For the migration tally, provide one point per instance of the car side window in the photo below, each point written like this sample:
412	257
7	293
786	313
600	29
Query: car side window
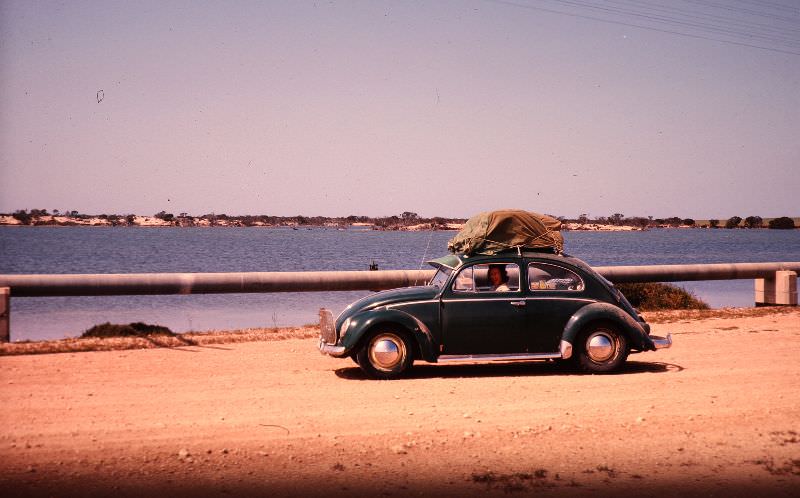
494	277
543	276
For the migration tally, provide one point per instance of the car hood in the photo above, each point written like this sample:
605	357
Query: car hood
404	294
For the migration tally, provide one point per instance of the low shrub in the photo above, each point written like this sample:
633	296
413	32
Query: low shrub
655	296
782	223
130	330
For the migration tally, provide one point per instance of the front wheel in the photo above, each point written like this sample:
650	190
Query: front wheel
601	349
385	355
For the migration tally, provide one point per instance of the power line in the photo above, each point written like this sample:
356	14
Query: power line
715	28
702	15
743	10
511	3
791	10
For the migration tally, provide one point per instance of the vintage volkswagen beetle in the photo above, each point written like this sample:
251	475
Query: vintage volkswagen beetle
545	306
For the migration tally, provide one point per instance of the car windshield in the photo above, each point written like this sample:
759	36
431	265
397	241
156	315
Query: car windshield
441	276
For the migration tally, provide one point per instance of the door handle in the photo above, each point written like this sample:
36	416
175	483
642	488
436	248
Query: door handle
517	303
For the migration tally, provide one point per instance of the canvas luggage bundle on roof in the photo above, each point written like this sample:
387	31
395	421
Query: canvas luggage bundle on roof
495	231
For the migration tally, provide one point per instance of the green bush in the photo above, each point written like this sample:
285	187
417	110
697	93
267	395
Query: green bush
130	330
733	222
782	223
753	221
654	296
23	216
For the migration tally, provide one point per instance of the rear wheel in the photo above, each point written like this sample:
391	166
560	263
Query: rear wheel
385	354
601	349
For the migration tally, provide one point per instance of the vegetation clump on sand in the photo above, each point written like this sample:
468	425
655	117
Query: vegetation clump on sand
135	329
685	316
655	296
156	340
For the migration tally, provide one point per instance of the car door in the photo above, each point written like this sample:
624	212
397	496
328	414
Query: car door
554	294
480	319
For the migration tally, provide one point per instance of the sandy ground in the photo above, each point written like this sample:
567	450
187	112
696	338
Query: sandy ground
716	415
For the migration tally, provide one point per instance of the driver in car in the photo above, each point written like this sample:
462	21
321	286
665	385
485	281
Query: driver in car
499	278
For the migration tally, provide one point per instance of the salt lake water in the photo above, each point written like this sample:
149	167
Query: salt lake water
143	250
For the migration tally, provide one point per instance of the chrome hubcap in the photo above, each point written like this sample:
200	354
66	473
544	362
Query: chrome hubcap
600	346
387	351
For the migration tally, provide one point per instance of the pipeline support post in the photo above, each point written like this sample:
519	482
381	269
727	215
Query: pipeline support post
5	314
780	290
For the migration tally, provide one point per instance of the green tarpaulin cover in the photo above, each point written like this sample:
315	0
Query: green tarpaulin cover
495	231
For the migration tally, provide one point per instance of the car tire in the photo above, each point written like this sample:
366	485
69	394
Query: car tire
385	354
601	349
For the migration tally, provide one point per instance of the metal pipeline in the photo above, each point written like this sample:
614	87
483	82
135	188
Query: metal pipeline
208	283
320	281
678	273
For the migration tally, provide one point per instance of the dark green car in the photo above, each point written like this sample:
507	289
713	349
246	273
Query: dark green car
523	305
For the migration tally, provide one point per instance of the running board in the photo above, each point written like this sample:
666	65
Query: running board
447	358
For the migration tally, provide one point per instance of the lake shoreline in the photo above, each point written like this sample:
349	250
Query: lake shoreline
169	221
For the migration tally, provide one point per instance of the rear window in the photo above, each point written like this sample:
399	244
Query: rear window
547	277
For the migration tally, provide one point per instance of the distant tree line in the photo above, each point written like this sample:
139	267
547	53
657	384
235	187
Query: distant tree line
618	219
781	223
394	222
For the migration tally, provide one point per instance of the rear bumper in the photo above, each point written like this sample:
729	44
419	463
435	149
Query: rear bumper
661	342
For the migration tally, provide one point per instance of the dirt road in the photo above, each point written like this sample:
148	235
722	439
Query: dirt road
716	415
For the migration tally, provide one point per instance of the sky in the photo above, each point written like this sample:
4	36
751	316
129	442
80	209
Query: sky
686	108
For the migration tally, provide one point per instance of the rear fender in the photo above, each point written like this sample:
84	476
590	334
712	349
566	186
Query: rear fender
362	323
599	311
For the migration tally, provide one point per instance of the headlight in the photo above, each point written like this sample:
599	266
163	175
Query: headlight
345	326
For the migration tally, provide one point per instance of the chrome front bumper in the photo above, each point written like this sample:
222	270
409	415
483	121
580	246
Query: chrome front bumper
661	342
331	349
327	334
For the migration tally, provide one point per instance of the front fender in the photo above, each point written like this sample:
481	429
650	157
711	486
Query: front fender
362	323
633	330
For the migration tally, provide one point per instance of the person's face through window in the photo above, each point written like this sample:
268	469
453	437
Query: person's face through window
495	276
